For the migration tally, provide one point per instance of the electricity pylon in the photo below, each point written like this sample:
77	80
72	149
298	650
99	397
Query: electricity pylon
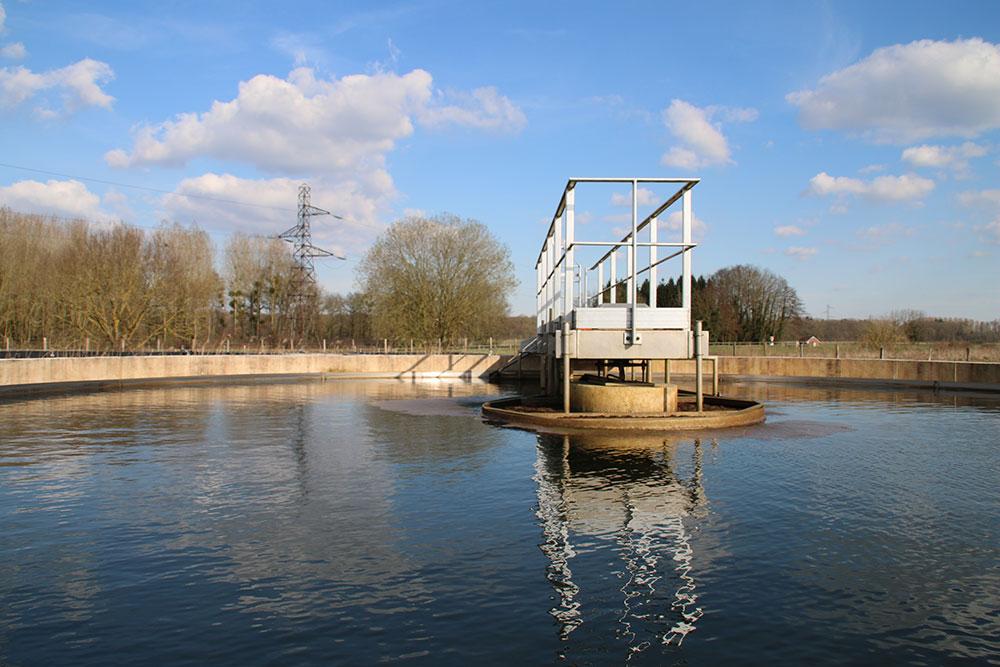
303	286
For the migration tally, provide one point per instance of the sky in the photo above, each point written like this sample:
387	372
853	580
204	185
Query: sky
852	148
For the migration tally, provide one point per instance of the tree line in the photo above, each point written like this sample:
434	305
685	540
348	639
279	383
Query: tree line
77	283
427	280
86	285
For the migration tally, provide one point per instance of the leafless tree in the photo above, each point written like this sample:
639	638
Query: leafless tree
436	279
747	303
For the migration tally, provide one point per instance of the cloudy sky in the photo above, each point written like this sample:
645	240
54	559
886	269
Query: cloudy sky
851	147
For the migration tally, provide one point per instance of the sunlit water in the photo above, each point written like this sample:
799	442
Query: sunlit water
365	521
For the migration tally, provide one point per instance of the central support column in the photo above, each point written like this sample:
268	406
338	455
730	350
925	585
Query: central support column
566	364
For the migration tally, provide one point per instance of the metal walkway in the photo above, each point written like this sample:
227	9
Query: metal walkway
590	312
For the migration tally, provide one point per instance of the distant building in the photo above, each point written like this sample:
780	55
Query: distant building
811	341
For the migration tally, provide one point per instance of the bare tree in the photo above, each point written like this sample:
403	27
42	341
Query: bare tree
187	286
259	281
747	303
436	279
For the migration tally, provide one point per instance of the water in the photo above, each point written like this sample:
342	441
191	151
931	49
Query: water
357	522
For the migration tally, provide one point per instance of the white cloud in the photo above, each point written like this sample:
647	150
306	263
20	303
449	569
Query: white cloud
908	92
990	232
880	190
644	197
949	157
801	253
703	143
340	127
119	203
79	85
15	51
268	206
673	223
886	233
483	108
788	230
872	168
984	200
3	17
69	199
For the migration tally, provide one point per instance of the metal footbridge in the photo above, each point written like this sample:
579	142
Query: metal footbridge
591	313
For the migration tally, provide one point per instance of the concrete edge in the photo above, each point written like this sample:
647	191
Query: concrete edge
869	383
54	388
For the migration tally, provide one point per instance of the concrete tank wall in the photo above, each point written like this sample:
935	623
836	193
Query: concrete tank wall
974	374
25	374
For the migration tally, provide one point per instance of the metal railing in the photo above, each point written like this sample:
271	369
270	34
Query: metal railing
563	285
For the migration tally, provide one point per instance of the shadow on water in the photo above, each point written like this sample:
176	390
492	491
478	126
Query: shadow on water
625	500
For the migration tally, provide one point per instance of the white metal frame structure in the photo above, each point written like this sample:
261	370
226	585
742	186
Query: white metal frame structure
572	314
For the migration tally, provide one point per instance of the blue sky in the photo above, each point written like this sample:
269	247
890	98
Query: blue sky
851	147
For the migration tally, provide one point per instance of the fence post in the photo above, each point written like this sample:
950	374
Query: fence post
968	354
324	346
491	344
45	343
385	345
881	353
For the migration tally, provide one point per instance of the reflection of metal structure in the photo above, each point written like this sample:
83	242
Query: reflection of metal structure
634	504
300	236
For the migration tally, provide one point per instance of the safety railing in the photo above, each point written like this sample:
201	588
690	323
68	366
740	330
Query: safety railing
570	279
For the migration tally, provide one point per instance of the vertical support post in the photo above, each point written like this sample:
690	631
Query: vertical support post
539	308
698	388
324	346
565	365
715	376
568	254
652	263
550	281
600	283
686	257
632	257
614	276
543	372
560	261
666	371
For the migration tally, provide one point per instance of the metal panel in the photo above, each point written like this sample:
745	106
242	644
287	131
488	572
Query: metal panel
618	316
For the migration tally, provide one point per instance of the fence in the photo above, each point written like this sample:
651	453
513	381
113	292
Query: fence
936	351
939	351
41	349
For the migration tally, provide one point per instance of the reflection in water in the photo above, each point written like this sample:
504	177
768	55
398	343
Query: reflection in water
366	521
626	493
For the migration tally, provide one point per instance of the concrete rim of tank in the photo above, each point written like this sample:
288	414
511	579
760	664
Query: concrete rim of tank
740	412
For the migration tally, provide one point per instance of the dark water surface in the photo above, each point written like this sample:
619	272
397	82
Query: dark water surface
355	522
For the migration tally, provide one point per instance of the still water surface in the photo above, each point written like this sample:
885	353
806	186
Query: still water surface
365	521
